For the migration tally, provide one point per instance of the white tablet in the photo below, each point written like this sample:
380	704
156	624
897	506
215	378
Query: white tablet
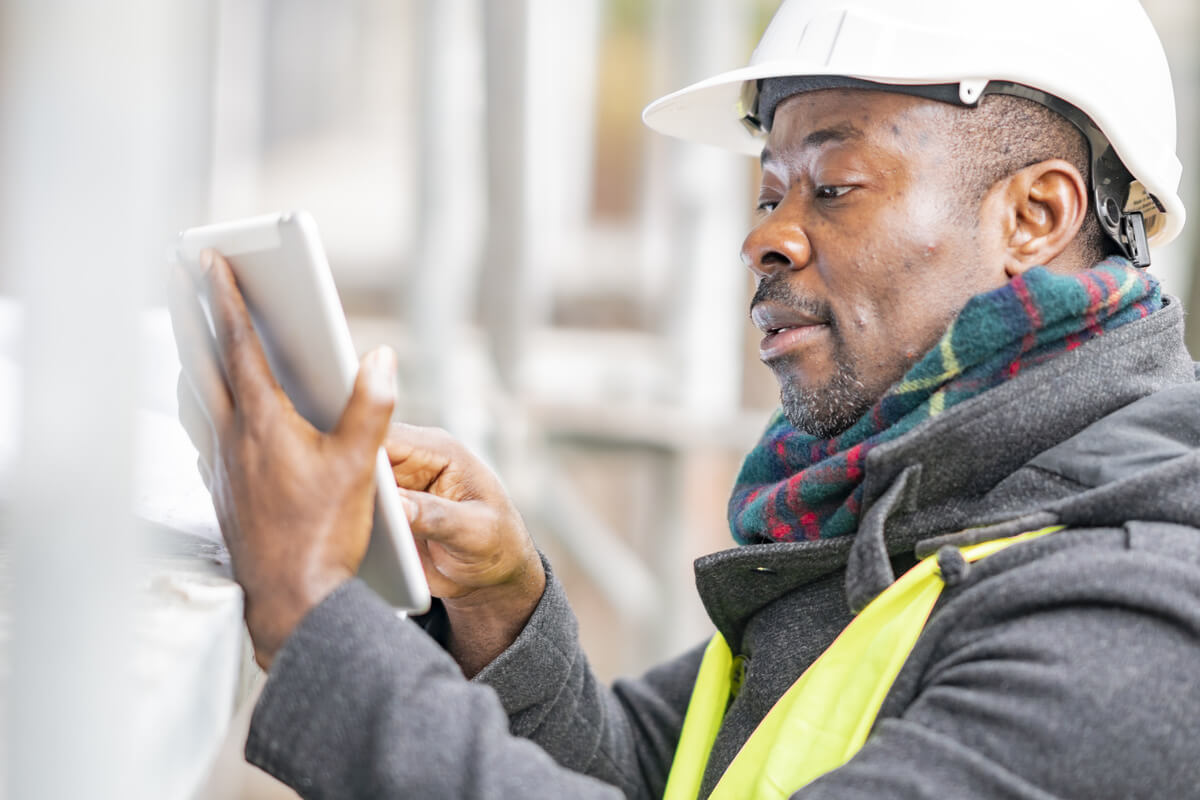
284	276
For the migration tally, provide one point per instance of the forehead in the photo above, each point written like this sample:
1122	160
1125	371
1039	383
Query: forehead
897	123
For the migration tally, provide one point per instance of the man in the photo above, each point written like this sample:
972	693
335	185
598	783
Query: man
971	365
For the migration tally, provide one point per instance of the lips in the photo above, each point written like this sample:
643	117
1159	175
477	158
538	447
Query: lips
786	328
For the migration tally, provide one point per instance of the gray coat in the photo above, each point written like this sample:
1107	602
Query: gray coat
1062	667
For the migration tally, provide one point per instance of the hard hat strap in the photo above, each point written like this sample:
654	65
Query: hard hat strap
1111	181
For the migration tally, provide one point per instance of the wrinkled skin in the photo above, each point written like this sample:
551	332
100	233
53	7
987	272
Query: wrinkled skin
295	504
862	226
477	554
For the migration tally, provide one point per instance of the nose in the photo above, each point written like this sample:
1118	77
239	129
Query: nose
775	243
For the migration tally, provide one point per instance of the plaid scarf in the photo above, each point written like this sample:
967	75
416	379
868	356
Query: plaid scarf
794	486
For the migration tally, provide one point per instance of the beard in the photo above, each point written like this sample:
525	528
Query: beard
830	409
827	410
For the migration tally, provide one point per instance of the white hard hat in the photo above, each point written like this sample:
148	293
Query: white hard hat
1100	57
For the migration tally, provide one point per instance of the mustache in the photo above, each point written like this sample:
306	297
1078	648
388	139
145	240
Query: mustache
777	291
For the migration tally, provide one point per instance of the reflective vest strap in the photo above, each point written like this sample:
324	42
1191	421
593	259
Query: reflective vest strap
705	711
824	718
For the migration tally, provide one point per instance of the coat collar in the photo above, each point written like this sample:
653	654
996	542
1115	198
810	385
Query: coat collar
942	476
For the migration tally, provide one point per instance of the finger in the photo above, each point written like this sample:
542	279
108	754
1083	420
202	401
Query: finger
364	424
420	456
194	419
197	353
439	584
250	380
461	527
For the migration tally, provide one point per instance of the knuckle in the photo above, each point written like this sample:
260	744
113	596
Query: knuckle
432	516
251	427
235	339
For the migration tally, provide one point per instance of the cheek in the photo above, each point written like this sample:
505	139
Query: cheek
870	289
899	278
909	301
892	336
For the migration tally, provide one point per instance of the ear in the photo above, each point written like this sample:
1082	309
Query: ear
1042	207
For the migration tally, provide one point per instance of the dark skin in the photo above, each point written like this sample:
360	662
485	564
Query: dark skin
295	504
478	557
863	224
245	430
861	220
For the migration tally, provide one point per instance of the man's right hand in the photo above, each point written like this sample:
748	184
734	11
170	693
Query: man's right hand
478	557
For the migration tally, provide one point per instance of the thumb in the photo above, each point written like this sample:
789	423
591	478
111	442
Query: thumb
364	423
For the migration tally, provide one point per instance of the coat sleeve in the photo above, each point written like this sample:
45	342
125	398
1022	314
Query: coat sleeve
360	703
1070	677
625	736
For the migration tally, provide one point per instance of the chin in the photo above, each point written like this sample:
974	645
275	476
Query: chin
827	410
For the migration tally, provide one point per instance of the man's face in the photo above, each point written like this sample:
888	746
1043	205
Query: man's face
864	252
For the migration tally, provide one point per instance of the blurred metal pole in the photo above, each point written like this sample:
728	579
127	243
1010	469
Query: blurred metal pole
714	193
695	215
506	277
444	273
239	87
561	63
83	154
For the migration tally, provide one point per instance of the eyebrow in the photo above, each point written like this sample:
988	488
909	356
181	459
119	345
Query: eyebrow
837	133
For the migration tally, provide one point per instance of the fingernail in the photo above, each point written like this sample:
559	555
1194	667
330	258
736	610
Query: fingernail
381	373
206	259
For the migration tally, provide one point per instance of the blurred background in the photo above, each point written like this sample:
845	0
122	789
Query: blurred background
562	286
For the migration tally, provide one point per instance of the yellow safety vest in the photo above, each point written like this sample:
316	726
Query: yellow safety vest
824	717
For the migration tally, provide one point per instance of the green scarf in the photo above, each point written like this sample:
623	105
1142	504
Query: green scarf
793	486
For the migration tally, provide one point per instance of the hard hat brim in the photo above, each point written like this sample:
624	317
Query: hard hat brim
709	111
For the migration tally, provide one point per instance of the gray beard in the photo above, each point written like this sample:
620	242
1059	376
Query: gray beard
829	410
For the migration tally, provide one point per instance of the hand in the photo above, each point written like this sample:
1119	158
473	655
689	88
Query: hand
295	504
477	554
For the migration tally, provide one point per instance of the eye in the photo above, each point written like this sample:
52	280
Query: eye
832	192
765	207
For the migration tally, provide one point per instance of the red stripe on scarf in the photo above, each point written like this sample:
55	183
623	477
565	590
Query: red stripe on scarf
1097	298
853	461
1032	312
811	525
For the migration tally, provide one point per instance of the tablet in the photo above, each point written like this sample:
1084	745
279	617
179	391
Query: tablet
285	279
